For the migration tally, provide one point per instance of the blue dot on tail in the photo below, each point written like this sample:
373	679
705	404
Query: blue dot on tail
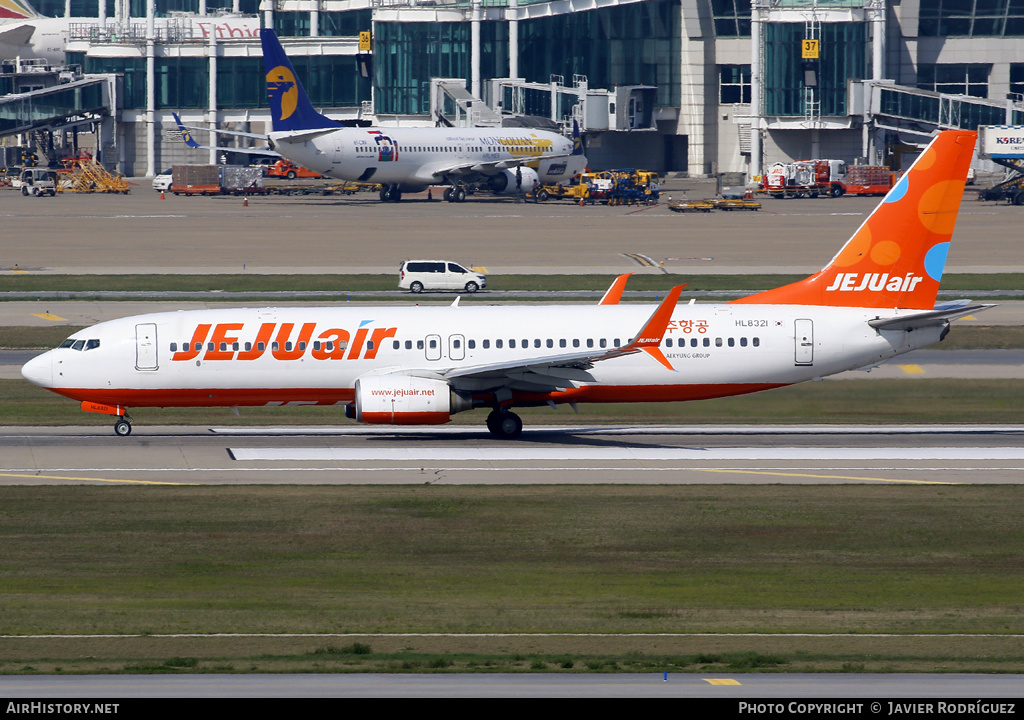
935	261
898	190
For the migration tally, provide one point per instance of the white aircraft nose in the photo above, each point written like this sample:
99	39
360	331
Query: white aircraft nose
39	370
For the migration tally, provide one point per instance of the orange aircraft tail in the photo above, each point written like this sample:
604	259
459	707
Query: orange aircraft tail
896	257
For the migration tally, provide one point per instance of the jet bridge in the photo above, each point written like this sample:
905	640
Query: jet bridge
88	101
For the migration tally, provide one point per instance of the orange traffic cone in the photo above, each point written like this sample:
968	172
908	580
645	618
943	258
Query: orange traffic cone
161	194
245	203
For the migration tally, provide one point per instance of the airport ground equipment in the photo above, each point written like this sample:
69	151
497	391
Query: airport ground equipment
805	178
689	206
37	182
734	204
1004	145
826	178
83	174
217	180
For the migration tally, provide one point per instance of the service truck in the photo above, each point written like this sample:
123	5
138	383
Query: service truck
1004	145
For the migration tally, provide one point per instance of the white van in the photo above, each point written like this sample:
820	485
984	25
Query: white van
419	275
162	182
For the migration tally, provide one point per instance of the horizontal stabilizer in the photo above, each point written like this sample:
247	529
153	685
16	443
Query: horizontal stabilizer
931	318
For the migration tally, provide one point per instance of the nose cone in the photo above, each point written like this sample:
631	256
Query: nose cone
39	370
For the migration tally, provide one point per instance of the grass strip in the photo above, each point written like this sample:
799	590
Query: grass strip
847	559
345	284
845	401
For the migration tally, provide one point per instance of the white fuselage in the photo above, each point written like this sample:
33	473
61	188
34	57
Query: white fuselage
279	356
47	38
414	158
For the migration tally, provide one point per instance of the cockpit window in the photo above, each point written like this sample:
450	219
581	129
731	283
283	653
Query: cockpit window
67	343
79	344
92	344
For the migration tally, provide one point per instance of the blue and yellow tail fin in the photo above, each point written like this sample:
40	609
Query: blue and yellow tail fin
290	108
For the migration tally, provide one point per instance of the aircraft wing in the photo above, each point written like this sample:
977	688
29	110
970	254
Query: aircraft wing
186	135
942	314
18	34
472	169
564	371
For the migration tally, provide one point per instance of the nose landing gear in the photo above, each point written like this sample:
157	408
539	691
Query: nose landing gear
123	426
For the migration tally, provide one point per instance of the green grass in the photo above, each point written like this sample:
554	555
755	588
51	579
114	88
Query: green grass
852	559
847	401
350	284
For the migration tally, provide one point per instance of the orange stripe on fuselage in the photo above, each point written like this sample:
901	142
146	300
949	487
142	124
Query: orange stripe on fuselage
227	397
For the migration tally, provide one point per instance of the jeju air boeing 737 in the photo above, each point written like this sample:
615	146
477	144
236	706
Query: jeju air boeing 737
500	160
419	365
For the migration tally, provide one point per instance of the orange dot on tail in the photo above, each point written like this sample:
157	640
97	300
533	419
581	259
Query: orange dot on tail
939	205
927	159
855	250
886	253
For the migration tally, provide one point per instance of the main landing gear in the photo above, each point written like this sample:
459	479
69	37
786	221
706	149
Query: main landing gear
123	426
390	193
455	193
504	424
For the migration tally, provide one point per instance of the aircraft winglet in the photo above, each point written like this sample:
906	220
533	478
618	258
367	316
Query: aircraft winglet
614	292
650	336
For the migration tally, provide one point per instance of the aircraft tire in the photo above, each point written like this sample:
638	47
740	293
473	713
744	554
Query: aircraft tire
448	194
459	195
123	428
504	425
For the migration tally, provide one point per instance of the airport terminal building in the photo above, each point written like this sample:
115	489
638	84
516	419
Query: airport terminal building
697	86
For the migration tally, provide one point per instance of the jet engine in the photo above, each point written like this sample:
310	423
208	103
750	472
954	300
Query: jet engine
504	183
397	399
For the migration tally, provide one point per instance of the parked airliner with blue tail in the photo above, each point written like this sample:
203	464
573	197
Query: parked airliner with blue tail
504	161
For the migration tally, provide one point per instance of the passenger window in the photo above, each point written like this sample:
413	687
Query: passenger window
316	344
575	342
757	342
604	342
732	342
550	343
718	342
562	343
234	346
408	344
536	342
472	344
211	347
248	346
174	347
487	344
668	342
498	344
743	342
707	342
396	345
261	346
511	343
590	342
419	344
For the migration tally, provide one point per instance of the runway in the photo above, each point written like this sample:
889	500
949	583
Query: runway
467	455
